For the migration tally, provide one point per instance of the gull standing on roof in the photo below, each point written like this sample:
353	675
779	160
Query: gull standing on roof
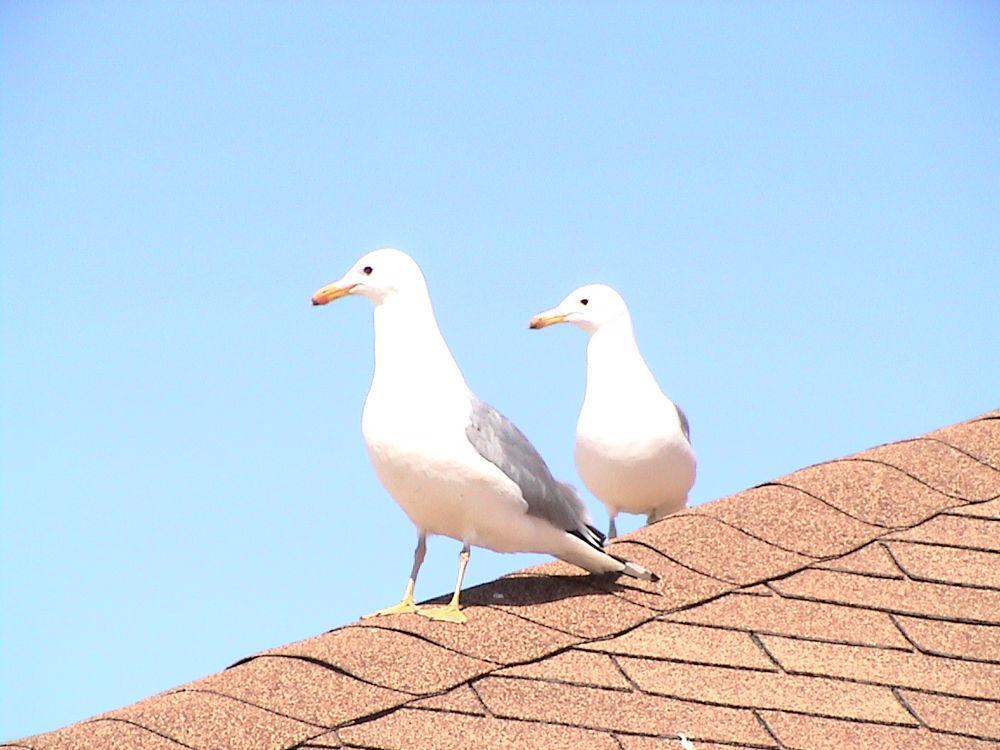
454	464
633	444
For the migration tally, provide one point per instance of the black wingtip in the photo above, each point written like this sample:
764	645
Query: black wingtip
595	539
601	536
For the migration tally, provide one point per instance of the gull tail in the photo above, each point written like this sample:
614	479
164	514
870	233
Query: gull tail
583	549
637	571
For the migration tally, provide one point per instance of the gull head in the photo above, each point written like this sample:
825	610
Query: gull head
379	275
588	307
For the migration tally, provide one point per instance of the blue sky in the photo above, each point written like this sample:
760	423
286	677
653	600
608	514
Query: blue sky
798	201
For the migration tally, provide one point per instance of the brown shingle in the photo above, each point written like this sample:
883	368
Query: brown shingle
942	467
301	690
925	562
960	742
324	741
758	589
738	687
980	438
872	560
491	634
954	639
638	742
567	603
959	715
894	668
388	658
792	519
614	710
461	700
206	720
102	734
671	640
955	531
576	667
780	616
988	509
677	585
871	492
428	730
900	597
711	547
798	732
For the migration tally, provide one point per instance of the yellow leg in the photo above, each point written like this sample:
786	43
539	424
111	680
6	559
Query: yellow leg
407	605
451	612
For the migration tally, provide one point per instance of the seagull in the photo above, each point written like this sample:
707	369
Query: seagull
455	465
633	444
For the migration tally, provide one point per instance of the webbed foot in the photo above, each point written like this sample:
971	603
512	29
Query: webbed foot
407	605
447	613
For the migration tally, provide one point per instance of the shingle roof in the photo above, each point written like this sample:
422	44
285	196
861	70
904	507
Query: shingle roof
855	603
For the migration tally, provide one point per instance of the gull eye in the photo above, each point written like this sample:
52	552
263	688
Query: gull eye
367	270
584	301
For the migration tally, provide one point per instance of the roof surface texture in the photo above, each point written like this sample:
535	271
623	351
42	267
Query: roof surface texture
853	604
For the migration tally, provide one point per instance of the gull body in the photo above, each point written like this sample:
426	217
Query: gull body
413	425
633	447
454	464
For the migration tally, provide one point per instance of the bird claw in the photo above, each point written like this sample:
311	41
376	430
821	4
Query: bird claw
403	607
447	613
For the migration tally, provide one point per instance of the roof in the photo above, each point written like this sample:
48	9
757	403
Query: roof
855	603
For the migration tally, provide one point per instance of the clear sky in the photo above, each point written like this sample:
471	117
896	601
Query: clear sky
799	201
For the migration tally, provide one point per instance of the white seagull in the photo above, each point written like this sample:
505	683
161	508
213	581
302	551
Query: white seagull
633	444
455	465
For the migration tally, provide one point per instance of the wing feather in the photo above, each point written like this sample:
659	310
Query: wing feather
685	427
499	441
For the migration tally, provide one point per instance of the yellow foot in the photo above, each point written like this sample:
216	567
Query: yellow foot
447	613
407	605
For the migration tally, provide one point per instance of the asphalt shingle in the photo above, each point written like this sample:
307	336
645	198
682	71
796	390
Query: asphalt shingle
940	466
901	597
750	689
955	639
208	720
617	711
886	667
691	643
955	531
426	730
979	438
573	667
872	560
388	659
791	519
801	732
925	562
975	718
696	539
870	491
794	617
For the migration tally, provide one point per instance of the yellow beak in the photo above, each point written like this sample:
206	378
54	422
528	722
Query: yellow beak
547	318
331	292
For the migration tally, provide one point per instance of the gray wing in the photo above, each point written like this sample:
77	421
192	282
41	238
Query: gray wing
685	427
498	441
